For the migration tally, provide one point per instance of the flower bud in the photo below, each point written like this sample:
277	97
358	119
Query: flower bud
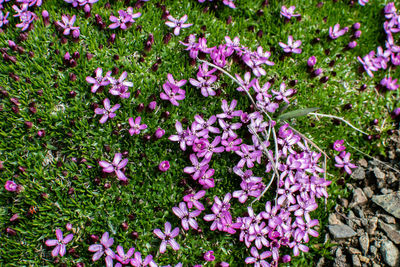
152	105
111	39
311	61
356	26
352	44
164	166
125	226
395	113
10	231
159	133
28	124
68	226
41	133
357	34
14	218
46	17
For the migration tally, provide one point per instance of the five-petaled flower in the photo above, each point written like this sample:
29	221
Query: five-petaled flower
167	237
188	218
107	111
99	80
343	161
136	127
291	47
338	145
116	166
177	24
104	247
60	243
67	24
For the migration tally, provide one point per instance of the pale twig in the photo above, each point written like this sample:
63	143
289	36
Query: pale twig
365	154
265	190
338	118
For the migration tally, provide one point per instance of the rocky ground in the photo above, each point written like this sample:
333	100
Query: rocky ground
366	226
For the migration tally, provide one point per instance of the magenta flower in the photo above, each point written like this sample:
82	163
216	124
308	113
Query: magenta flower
99	80
187	218
108	111
343	161
288	12
338	145
209	256
11	186
229	111
291	47
231	144
26	17
177	24
182	137
172	94
3	18
60	243
204	84
159	133
138	262
167	237
171	81
390	84
67	24
248	156
258	259
282	94
122	257
198	167
116	166
164	166
123	20
362	2
103	247
245	82
136	127
311	61
336	32
193	200
120	87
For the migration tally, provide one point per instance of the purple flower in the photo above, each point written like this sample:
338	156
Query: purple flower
3	18
172	94
187	218
99	80
167	237
67	24
245	82
343	161
258	259
108	111
247	156
362	2
182	137
120	87
390	10
116	166
282	94
288	12
229	111
164	166
177	24
287	193
338	145
291	47
198	167
60	243
136	127
26	17
171	81
389	83
352	44
231	144
103	247
122	257
336	32
159	133
11	186
138	262
311	61
208	256
193	200
204	84
211	148
123	20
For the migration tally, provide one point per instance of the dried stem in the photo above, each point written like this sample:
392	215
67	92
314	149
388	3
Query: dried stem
338	118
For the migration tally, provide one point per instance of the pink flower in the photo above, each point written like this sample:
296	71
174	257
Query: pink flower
116	166
291	47
167	237
164	166
11	186
136	126
193	200
108	111
177	24
60	243
172	93
208	256
159	133
338	145
336	32
343	161
188	218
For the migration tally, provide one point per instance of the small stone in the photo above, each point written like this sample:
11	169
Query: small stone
373	224
373	250
341	231
391	179
364	243
379	174
389	202
358	174
391	154
344	202
359	211
354	251
321	262
363	163
356	261
359	198
368	192
364	259
391	231
387	218
390	253
333	219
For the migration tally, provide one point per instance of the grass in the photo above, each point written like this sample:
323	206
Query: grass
72	129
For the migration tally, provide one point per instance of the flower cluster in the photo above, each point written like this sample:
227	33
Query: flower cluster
86	4
343	159
25	16
374	61
124	19
229	3
66	26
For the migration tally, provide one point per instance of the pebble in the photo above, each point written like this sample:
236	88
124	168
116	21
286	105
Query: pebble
363	163
373	250
391	231
379	174
341	231
389	202
368	192
356	261
333	219
358	174
359	198
390	253
373	224
387	218
364	259
364	243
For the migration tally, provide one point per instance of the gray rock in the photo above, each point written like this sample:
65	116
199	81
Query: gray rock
389	202
391	231
364	243
372	225
356	261
386	191
391	154
391	178
344	202
358	174
359	198
333	219
368	192
321	262
390	253
341	231
359	212
373	250
363	163
379	174
387	218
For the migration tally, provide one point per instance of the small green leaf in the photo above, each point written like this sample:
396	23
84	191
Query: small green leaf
296	113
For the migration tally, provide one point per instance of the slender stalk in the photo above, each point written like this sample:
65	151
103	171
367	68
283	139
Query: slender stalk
338	118
265	190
